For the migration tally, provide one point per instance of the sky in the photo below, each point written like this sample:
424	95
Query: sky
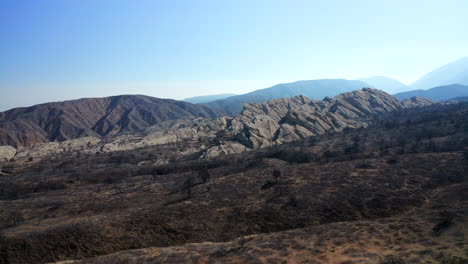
53	50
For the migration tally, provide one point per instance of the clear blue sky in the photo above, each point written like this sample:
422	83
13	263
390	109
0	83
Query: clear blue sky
64	49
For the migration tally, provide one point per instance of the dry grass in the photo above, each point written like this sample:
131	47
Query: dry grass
377	192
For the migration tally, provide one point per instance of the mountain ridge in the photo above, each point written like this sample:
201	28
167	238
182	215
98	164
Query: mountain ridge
290	119
258	126
207	98
95	117
358	195
315	89
440	93
386	84
455	72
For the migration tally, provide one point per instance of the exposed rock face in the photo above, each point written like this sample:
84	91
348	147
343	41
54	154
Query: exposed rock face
416	102
86	145
224	149
92	117
7	153
199	128
163	133
257	126
289	119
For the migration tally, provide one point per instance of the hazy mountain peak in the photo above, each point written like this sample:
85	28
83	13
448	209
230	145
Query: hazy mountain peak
386	84
207	98
440	93
452	73
314	89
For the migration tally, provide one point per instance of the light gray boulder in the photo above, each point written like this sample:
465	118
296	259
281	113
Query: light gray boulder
7	153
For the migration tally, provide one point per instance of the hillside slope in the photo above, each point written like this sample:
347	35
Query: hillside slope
257	126
96	117
394	188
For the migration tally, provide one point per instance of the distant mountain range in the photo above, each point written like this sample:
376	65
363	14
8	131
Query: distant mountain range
314	89
453	73
440	93
207	98
386	84
95	117
101	117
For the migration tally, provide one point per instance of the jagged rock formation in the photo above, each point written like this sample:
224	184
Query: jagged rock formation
92	117
416	102
257	126
289	119
224	149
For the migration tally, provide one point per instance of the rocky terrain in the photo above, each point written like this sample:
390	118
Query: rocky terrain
92	117
392	189
289	119
257	126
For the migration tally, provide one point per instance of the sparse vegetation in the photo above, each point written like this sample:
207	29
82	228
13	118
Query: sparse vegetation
445	221
392	260
366	185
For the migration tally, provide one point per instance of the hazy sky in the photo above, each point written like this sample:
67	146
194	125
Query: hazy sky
65	49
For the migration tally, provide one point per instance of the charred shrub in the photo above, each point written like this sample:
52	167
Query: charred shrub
364	166
392	160
290	155
444	222
392	260
11	219
329	156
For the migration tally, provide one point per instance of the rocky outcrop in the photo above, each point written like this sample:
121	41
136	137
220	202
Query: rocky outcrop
227	148
257	126
416	102
164	133
289	119
7	153
167	133
86	145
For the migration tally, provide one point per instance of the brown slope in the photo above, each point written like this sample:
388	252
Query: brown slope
98	117
79	206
